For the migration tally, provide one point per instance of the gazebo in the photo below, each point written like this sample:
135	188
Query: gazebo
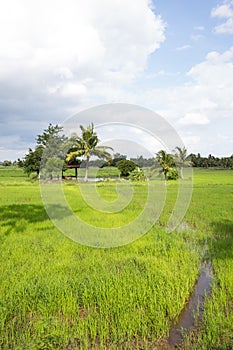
71	165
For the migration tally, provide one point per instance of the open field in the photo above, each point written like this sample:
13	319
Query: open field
57	294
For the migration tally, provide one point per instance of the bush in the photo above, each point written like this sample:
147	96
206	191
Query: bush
172	174
137	175
52	169
33	176
126	166
6	163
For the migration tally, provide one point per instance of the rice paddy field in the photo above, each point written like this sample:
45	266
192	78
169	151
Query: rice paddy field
58	294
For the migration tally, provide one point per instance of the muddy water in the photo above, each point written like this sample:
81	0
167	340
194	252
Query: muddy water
194	309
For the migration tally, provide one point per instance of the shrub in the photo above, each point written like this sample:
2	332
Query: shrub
137	175
172	174
126	166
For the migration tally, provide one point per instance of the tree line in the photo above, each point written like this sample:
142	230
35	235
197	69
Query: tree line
51	145
211	161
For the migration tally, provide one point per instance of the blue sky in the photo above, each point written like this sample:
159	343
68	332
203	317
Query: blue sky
60	57
189	35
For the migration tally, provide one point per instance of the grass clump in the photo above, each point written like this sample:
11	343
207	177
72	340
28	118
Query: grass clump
57	294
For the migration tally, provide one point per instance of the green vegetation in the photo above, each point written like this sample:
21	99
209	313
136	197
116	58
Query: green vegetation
57	294
181	159
55	151
6	163
211	161
137	175
52	147
167	164
126	166
86	145
48	145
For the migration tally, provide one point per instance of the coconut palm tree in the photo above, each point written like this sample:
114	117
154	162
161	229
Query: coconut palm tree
86	145
166	162
181	159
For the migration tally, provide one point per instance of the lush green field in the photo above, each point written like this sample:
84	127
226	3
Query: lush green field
57	294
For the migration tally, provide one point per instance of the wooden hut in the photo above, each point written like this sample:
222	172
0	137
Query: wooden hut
72	166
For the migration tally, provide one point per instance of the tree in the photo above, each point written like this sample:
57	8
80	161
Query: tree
52	131
116	158
20	163
143	162
32	160
49	144
126	166
53	168
181	159
210	161
167	164
86	146
6	162
137	175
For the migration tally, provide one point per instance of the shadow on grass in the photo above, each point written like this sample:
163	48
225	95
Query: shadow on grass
222	244
12	215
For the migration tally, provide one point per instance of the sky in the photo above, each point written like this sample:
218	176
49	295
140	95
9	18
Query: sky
173	57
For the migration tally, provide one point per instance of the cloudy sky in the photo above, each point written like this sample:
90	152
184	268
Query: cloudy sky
60	57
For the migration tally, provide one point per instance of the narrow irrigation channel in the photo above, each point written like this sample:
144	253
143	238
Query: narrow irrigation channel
193	311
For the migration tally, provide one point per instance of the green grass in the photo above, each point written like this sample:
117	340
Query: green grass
105	172
211	211
212	176
12	176
57	294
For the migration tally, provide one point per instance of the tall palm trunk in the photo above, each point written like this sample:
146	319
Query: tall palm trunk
181	173
87	165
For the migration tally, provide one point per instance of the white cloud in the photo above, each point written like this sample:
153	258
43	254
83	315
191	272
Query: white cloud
202	105
224	11
72	90
11	154
200	28
226	27
196	37
66	42
184	47
161	73
191	142
194	118
58	56
215	72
